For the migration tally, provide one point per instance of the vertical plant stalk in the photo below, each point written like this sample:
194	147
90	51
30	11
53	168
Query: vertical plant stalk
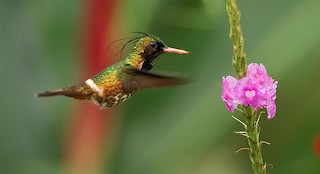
239	60
253	136
252	116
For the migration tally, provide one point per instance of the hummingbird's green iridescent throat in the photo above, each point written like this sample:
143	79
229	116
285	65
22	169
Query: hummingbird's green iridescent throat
119	81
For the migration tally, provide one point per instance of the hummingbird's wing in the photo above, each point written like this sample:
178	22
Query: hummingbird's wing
134	79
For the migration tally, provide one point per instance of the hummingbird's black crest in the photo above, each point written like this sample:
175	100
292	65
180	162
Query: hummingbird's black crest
152	52
158	42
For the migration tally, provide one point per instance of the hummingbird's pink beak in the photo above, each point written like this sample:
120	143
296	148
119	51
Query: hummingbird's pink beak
174	50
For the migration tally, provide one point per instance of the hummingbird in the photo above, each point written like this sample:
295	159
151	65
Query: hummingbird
118	82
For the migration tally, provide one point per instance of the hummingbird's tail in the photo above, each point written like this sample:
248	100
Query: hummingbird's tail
53	93
73	91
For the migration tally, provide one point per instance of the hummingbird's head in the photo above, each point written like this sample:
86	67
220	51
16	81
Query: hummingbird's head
150	48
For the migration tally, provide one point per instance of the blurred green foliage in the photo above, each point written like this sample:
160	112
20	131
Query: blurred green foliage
184	129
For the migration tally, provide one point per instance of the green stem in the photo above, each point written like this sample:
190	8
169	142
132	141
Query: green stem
239	56
253	132
239	63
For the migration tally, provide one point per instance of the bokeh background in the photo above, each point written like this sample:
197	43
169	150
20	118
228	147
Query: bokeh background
54	43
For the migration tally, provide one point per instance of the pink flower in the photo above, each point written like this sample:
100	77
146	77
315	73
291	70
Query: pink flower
248	92
257	90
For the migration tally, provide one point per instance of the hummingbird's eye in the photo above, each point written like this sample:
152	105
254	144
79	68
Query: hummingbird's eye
153	44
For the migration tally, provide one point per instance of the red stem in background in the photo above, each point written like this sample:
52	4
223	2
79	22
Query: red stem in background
316	145
90	126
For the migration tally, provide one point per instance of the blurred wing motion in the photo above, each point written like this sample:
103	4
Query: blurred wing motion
134	79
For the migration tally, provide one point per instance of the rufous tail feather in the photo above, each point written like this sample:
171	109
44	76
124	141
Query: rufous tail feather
69	92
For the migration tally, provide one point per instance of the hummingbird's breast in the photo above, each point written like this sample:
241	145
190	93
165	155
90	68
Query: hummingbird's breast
107	88
108	94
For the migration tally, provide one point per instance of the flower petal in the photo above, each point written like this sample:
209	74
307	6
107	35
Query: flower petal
228	84
271	109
